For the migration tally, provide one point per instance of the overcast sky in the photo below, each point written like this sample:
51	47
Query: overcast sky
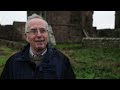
7	17
104	19
101	19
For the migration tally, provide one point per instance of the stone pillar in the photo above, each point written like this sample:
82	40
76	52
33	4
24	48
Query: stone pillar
87	22
117	19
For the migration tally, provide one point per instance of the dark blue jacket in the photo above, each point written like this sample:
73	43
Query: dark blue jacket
54	66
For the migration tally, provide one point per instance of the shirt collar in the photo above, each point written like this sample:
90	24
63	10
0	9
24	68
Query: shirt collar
43	53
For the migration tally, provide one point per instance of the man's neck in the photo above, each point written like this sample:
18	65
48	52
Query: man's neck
38	52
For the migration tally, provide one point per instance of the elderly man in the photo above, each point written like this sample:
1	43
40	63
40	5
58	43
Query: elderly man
37	60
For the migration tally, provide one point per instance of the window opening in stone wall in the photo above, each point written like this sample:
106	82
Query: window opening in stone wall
104	19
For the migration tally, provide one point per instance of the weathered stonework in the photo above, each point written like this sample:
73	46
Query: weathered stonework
101	42
12	32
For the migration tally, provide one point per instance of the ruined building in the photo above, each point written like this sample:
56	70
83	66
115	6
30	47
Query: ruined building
68	26
12	32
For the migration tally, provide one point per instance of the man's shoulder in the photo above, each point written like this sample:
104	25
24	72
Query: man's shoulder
12	58
16	54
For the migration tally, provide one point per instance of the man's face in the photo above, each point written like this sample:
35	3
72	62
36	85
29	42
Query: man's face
37	34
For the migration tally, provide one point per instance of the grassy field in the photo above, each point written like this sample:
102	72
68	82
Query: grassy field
88	63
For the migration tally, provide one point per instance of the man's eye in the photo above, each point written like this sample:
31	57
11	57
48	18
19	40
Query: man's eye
43	30
33	31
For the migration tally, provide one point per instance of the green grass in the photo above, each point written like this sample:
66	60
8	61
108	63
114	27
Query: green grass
87	63
68	46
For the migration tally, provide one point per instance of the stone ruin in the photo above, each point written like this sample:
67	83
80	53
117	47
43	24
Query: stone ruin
12	32
105	38
66	26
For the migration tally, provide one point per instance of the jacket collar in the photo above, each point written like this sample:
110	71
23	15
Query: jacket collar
25	53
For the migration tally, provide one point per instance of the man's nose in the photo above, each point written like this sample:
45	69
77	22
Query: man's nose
39	33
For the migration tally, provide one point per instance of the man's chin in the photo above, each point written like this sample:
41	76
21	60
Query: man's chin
40	47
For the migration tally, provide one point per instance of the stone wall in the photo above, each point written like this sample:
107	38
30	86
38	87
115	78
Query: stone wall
6	32
115	33
105	33
117	19
66	26
67	33
12	32
11	44
101	42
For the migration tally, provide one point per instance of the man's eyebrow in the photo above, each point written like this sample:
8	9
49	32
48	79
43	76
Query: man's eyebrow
33	28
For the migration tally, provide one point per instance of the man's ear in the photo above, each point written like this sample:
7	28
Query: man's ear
25	37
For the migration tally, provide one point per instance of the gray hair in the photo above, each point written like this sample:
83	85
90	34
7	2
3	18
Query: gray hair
33	16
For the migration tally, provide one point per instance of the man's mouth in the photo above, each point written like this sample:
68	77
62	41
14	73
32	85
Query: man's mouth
39	40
